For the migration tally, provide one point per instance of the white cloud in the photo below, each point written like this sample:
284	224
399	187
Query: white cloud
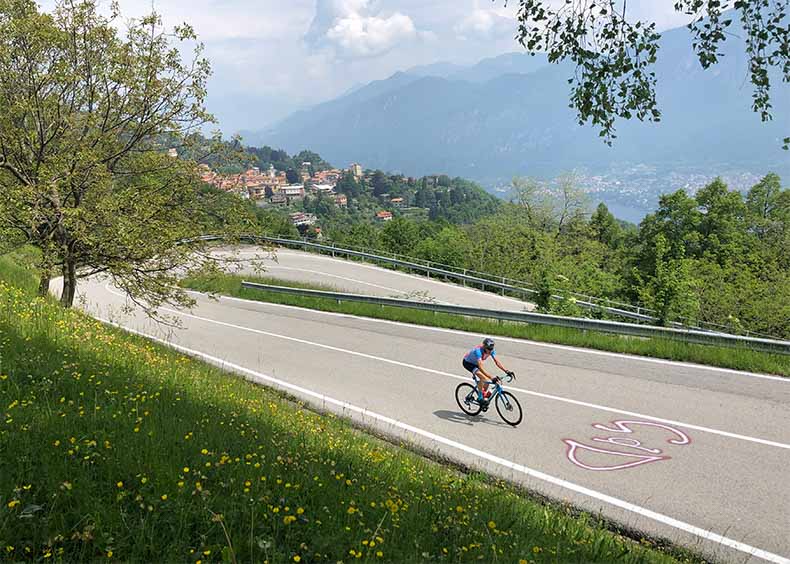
484	24
353	28
360	36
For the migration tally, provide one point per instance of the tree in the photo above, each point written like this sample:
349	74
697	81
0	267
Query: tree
400	236
768	206
381	184
723	222
614	55
671	291
534	198
572	202
292	176
86	118
349	185
604	226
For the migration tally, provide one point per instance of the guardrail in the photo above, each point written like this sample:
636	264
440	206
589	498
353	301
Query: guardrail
501	283
442	272
616	327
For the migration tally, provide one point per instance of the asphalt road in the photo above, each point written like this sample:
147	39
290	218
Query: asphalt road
364	278
694	454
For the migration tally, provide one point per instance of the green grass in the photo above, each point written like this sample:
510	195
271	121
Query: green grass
114	447
735	358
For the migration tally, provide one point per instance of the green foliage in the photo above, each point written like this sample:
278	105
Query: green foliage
614	55
605	228
265	156
84	172
671	291
714	257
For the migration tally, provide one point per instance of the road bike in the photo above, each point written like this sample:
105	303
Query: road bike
507	405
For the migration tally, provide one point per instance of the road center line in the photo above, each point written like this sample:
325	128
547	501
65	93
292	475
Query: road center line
631	357
456	377
659	517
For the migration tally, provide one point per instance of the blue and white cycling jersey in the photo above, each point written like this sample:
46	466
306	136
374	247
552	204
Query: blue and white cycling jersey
477	354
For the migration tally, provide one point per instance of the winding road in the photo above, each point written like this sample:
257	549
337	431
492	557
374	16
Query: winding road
694	454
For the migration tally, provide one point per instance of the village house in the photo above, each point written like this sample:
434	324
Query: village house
384	216
322	188
301	218
397	202
341	200
292	191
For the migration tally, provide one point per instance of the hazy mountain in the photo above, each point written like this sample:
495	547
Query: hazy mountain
509	115
492	67
441	69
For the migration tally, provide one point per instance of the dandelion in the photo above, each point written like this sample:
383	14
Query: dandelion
186	469
297	558
299	511
491	525
288	519
537	549
13	503
119	484
164	497
379	553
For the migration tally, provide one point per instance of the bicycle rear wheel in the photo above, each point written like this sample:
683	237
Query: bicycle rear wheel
466	398
508	408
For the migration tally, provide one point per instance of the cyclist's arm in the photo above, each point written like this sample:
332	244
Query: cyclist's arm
499	364
480	370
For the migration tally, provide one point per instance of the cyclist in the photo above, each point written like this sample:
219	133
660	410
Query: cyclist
473	362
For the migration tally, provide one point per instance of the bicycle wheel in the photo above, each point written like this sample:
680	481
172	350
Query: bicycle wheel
508	408
465	396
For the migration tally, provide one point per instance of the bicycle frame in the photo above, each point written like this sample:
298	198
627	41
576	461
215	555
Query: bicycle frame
498	388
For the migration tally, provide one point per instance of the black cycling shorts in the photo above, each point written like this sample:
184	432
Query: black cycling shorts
471	367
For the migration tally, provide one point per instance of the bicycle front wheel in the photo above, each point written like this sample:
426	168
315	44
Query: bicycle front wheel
508	408
466	398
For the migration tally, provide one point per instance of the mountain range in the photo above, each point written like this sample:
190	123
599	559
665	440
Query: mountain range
509	115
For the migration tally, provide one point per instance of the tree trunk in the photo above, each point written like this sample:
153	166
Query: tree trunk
43	284
69	282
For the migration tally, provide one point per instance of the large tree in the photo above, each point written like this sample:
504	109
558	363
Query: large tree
88	115
614	53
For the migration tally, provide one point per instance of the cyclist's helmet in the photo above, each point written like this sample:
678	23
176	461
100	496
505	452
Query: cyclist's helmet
488	344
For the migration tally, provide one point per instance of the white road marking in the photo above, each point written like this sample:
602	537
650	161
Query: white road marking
644	512
456	377
278	267
516	340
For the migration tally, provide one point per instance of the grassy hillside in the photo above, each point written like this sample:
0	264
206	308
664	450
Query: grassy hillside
114	447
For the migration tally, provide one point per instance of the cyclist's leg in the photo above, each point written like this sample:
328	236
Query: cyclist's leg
476	376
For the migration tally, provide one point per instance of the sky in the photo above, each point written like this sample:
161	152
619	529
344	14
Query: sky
271	57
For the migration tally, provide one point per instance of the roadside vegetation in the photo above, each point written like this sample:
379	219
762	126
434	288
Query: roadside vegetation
735	358
711	256
117	448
